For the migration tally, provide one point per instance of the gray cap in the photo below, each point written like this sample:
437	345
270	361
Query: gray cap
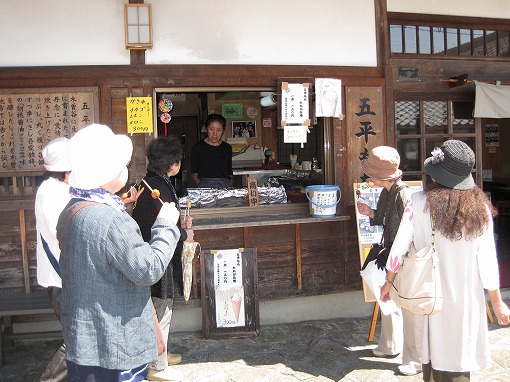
451	165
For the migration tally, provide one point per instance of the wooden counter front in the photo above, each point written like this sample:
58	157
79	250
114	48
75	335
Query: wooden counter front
297	254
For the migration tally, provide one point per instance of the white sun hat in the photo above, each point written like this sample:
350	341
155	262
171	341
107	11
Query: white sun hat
97	156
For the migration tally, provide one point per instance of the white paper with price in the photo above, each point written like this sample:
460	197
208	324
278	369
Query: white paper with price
228	288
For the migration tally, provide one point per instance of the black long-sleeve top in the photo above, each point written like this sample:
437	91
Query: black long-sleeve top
145	211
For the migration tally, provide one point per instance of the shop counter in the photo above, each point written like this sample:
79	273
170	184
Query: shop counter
297	254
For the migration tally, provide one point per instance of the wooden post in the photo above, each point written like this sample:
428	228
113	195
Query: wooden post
24	251
246	237
298	258
489	313
375	315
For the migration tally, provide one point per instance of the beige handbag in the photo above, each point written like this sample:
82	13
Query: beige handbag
417	285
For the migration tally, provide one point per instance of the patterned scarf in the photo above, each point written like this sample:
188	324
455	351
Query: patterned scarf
99	195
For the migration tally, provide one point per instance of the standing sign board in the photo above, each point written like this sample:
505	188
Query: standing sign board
229	293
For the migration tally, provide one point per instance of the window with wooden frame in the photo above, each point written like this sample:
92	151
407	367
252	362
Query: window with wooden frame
420	126
448	36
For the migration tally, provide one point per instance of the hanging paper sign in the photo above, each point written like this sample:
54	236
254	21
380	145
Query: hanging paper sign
165	105
295	104
139	114
328	97
165	117
229	290
295	134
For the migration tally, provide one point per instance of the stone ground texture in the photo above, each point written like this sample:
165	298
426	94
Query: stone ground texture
313	351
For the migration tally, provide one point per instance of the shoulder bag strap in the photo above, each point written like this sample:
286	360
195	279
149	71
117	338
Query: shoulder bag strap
73	212
51	257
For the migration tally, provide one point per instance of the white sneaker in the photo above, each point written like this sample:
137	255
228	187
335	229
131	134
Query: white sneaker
167	374
409	369
381	354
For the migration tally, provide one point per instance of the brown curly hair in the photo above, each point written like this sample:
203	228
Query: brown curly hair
458	213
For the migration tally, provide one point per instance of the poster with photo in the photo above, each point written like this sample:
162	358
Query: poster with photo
368	234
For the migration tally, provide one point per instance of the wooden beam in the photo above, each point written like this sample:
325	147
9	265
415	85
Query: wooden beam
246	240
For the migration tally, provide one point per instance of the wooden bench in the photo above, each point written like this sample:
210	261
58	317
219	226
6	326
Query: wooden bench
19	304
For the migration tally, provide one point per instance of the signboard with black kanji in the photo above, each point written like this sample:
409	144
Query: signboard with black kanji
30	118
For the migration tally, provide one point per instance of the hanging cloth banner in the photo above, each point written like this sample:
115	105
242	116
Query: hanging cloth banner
492	101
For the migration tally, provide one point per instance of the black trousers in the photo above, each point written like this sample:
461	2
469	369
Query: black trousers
56	371
444	376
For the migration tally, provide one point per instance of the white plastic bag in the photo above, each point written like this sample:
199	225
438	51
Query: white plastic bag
374	279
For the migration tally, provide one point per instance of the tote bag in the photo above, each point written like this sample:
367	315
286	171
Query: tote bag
417	285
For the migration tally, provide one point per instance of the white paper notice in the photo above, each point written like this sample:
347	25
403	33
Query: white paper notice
295	134
228	288
295	104
328	97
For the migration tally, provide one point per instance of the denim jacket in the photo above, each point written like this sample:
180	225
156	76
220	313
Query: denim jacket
107	270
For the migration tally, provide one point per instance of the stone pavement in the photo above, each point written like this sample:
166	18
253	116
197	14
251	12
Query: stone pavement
313	351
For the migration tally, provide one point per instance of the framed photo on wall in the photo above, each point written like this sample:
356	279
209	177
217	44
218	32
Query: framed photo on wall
244	129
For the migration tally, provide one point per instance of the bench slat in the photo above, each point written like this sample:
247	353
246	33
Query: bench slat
24	303
32	335
16	304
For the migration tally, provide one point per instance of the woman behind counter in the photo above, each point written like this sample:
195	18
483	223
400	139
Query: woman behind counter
211	158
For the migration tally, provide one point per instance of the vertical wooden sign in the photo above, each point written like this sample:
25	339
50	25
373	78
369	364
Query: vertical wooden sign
365	128
253	191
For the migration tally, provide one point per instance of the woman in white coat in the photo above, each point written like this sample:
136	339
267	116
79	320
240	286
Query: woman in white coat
455	339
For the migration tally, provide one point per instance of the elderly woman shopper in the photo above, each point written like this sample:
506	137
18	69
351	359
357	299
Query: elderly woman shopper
164	156
455	339
397	329
51	198
107	268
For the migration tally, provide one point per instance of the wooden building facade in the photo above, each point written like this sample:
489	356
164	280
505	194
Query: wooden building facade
328	259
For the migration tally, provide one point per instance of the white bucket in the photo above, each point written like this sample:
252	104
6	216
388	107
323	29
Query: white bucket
323	199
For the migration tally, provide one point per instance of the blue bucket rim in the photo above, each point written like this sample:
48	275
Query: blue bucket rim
332	187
